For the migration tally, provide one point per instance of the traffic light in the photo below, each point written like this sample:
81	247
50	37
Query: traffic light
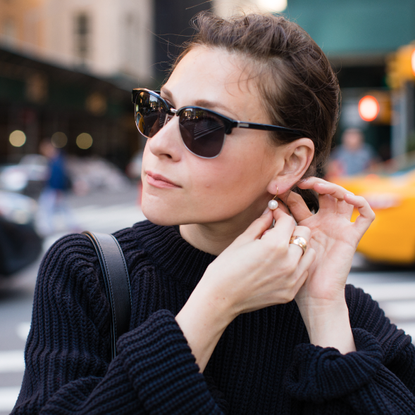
375	107
401	66
368	108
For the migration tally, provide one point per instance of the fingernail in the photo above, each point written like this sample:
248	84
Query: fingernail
265	211
350	194
304	180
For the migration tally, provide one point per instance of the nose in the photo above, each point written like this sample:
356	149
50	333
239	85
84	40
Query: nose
167	142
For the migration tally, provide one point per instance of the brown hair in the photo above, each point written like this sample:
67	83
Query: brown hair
294	77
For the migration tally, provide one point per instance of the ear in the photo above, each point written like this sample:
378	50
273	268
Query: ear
297	157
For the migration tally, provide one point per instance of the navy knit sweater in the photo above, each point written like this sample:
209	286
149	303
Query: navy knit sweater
263	363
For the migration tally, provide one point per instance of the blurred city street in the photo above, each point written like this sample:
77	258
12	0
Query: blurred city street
100	211
108	211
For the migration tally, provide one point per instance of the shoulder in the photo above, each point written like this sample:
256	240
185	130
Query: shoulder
70	275
148	241
137	241
72	248
70	261
69	286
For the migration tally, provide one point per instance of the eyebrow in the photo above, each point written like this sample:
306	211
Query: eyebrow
201	103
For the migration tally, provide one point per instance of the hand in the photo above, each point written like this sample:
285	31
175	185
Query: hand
260	268
334	238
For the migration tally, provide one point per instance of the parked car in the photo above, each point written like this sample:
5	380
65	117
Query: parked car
17	208
27	177
20	245
391	195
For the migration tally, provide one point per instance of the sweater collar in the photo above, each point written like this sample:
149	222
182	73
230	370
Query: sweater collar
172	253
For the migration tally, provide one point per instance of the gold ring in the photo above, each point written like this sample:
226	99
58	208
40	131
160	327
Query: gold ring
300	241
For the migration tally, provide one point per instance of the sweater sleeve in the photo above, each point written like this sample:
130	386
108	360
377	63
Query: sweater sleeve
376	379
67	351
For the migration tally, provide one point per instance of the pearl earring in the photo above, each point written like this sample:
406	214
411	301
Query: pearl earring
273	204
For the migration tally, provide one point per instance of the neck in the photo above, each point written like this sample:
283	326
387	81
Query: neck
214	238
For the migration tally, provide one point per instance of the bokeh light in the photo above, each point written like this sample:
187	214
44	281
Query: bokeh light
369	108
84	141
17	138
59	139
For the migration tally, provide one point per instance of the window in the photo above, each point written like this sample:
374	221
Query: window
82	36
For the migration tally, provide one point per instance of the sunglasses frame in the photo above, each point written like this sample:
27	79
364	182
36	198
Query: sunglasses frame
228	122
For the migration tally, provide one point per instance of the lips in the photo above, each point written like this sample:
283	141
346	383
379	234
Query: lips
157	180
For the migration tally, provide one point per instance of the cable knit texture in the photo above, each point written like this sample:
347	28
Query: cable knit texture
263	364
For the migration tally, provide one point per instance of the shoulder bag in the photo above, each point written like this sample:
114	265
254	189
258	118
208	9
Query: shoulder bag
116	281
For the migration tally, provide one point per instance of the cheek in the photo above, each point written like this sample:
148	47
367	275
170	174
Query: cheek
226	182
218	177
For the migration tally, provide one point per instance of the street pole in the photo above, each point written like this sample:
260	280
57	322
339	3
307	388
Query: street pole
402	119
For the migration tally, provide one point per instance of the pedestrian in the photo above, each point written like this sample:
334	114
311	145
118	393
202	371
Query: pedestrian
229	313
353	156
54	212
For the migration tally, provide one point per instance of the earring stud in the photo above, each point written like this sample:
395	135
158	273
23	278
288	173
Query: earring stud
273	204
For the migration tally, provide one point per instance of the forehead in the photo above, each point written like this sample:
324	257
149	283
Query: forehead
218	76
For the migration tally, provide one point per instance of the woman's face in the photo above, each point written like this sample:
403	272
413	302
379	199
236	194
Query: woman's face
181	188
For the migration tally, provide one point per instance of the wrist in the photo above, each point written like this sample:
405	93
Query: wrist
203	319
328	325
209	309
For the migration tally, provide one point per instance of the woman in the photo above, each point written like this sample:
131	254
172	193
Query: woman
230	314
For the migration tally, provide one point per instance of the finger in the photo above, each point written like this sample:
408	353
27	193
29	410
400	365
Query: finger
345	208
303	231
282	230
298	207
327	203
257	228
281	206
366	214
301	272
296	250
323	187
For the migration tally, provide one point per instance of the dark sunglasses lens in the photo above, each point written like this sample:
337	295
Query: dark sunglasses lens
149	114
203	133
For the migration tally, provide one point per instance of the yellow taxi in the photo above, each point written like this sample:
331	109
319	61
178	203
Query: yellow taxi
391	195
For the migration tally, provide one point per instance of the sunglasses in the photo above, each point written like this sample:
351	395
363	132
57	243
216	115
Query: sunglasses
203	131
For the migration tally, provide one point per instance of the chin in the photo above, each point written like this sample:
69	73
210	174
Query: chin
158	217
162	222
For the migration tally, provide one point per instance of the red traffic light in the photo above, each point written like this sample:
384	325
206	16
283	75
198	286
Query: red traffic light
369	108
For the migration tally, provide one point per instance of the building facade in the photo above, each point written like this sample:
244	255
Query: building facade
107	38
128	43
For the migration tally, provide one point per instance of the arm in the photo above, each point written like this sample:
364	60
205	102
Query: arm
259	269
67	352
334	238
375	379
346	361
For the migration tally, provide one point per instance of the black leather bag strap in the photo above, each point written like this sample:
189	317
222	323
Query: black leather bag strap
117	283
